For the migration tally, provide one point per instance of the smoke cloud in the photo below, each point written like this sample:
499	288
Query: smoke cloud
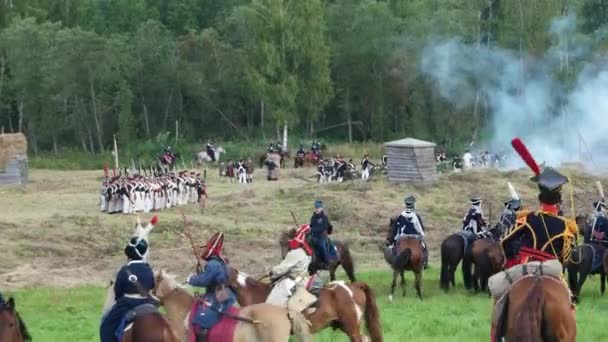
559	122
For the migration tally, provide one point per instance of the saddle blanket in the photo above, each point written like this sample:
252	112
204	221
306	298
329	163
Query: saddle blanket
127	321
222	331
500	283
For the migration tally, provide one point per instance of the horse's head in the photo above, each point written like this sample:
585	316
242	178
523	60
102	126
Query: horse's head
391	224
165	285
12	327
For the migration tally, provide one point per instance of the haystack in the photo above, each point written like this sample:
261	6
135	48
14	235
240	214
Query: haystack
10	146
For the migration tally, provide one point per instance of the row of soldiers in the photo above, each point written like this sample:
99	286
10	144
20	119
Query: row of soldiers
138	193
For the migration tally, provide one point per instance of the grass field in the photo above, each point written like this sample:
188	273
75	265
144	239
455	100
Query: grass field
73	314
57	250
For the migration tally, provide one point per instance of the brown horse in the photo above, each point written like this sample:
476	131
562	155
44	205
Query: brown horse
269	323
340	305
487	258
407	254
345	259
12	327
539	310
285	155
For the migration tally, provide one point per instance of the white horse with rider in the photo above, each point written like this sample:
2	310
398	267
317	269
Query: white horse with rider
203	156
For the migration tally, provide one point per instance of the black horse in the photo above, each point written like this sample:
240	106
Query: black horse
344	258
585	259
452	253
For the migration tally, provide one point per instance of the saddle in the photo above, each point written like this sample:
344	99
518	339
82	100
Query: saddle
223	330
332	252
131	316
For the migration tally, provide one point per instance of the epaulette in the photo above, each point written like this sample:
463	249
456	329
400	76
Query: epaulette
571	226
522	216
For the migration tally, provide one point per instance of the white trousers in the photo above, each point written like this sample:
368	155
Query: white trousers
365	173
281	292
242	177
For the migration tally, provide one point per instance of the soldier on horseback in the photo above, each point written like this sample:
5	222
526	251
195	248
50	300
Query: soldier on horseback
409	223
211	150
599	228
133	284
270	148
543	234
301	152
218	298
292	270
473	221
321	228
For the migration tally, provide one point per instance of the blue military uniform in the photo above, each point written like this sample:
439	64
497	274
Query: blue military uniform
599	228
214	275
473	220
320	228
133	282
410	223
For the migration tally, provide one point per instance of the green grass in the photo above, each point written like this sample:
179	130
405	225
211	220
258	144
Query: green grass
73	314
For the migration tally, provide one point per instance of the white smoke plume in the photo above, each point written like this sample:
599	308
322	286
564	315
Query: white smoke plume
558	122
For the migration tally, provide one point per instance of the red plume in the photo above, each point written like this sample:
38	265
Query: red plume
154	220
523	152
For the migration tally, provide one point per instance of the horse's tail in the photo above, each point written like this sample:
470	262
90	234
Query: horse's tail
402	259
529	319
372	315
346	259
446	269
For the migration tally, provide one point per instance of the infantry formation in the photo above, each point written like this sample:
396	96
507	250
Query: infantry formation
519	261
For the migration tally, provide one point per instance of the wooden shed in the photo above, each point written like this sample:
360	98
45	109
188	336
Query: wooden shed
411	160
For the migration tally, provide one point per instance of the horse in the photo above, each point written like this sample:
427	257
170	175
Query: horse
340	305
146	325
203	156
539	309
285	155
585	259
311	159
408	255
12	327
452	252
485	263
345	258
255	323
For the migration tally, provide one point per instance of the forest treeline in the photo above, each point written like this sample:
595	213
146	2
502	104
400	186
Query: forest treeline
73	73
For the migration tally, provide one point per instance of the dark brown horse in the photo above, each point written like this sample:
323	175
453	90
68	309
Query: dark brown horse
407	255
340	306
539	310
452	252
345	259
151	327
12	327
486	254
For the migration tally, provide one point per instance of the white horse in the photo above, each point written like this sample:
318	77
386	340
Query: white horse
203	156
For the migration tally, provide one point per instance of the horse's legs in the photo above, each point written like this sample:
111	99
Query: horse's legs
332	272
419	283
476	278
402	282
390	297
602	282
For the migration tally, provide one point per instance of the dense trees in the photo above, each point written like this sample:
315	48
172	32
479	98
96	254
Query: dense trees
75	73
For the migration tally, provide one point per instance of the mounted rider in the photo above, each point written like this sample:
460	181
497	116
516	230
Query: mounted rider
541	235
133	284
210	150
511	207
218	298
474	221
301	153
320	229
599	227
316	148
271	147
409	224
293	270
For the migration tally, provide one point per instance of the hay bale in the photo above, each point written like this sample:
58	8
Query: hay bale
11	145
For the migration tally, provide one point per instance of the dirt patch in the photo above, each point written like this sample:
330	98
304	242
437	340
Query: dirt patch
54	235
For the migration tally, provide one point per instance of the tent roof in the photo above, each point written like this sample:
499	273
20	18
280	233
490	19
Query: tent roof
410	142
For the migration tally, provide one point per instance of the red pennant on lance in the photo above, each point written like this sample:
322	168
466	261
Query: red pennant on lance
523	152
